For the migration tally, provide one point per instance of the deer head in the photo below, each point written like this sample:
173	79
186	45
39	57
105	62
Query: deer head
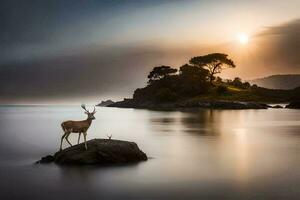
89	114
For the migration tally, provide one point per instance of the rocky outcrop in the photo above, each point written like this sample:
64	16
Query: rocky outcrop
99	152
46	159
294	105
105	103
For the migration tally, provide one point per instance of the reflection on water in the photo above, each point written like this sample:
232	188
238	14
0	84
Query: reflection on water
214	154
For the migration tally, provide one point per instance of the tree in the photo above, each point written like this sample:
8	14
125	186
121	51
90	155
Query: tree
190	71
215	63
219	80
237	81
160	72
193	80
246	85
254	86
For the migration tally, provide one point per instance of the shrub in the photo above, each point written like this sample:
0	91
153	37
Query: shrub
221	89
165	95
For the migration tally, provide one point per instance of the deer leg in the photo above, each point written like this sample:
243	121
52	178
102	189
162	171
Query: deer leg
68	139
79	138
61	141
84	135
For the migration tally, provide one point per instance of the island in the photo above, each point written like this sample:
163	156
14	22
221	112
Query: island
196	85
99	152
105	103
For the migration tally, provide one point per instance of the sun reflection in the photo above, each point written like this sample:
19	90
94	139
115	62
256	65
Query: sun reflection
242	154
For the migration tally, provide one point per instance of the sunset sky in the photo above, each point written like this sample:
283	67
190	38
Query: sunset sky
75	51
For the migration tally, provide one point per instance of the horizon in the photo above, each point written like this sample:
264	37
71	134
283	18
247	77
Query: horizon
95	102
57	52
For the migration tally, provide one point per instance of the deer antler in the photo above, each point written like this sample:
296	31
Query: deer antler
84	108
94	111
109	136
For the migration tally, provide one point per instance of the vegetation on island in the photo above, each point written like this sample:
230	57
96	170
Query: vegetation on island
197	81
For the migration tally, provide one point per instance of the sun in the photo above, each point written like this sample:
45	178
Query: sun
243	38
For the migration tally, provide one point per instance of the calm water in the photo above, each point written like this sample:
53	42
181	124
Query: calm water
231	154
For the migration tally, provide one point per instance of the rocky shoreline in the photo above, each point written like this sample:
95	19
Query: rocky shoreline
131	103
294	105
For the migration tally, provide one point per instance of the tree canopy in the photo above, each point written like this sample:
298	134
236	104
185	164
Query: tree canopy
191	71
160	72
214	63
237	82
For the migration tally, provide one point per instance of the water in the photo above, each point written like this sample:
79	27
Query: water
208	154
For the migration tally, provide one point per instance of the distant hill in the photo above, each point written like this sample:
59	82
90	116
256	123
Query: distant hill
288	81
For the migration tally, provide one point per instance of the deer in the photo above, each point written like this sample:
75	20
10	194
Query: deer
79	127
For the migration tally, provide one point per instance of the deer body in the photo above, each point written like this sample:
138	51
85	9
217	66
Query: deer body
77	127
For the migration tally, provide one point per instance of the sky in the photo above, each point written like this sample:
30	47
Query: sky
57	51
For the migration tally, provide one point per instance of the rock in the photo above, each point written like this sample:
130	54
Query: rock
46	159
106	103
100	152
294	105
126	103
277	106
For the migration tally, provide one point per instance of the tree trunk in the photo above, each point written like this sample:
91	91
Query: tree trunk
211	78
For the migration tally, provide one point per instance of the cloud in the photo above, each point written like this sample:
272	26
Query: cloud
280	47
